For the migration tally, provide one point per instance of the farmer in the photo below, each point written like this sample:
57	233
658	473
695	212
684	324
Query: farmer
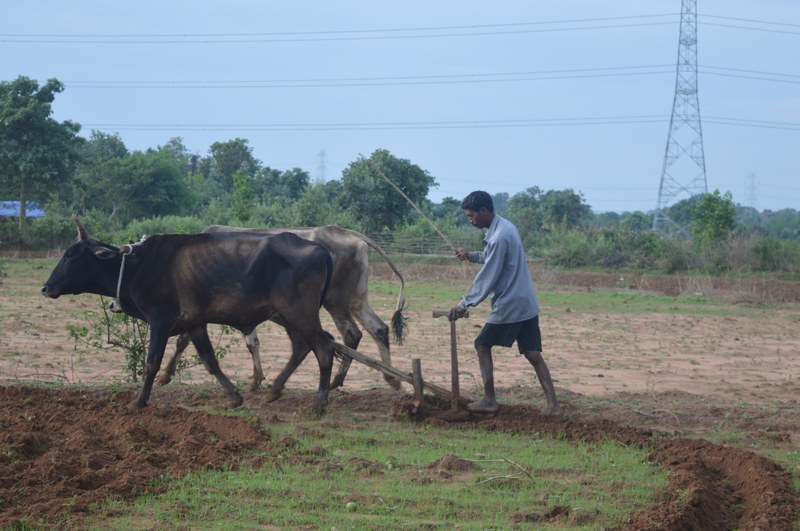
515	308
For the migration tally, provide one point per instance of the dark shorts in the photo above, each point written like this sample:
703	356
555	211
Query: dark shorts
525	333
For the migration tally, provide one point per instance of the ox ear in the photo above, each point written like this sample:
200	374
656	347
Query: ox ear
105	254
83	234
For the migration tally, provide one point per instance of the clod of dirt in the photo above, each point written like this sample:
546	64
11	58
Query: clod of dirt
451	462
66	449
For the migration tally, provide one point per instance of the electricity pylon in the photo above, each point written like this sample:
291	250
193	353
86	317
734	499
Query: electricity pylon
684	169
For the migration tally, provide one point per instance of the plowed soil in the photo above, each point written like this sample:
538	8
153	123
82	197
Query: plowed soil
66	447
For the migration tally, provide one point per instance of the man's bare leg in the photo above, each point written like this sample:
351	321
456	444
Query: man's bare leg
543	373
488	404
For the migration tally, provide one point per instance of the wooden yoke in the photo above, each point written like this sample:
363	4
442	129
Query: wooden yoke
453	357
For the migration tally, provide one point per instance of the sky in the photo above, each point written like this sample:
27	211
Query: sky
499	95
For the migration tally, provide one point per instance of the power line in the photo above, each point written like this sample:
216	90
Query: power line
334	32
263	40
381	81
462	124
372	34
499	77
749	20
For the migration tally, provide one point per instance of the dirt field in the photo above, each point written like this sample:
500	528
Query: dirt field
670	382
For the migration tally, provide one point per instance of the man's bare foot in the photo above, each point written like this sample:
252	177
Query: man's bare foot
483	406
551	410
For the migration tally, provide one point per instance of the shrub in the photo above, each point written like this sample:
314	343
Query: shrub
106	330
115	330
674	255
570	248
776	255
160	225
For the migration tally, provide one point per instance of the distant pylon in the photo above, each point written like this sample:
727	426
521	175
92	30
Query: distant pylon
322	166
684	169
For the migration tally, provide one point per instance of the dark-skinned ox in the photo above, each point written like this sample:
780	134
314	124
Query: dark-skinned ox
179	283
346	300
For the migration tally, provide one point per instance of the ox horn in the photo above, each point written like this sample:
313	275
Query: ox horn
83	234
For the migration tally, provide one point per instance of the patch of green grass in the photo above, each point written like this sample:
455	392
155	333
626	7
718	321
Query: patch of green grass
614	301
417	291
389	471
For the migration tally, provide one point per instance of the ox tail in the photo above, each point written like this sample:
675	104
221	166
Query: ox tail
399	321
328	275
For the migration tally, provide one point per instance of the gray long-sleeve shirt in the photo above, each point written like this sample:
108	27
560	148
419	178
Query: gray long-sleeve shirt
504	276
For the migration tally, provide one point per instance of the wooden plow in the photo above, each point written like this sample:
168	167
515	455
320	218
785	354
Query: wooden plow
414	378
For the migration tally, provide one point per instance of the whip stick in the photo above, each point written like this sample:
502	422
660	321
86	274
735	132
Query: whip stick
421	213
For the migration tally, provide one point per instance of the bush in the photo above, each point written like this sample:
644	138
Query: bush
570	248
674	255
620	246
160	225
115	330
776	255
52	231
106	330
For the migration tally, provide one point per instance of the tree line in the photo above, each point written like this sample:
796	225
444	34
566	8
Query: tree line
122	194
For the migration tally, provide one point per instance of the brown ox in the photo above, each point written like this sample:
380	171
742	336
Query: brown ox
345	299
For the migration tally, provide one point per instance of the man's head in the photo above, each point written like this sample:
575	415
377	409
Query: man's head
479	209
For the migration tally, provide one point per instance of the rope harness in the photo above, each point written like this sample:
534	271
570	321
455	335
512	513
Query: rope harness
116	303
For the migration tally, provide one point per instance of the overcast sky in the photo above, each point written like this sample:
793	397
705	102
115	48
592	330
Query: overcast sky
499	95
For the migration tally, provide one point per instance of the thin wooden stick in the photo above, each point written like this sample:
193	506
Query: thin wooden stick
421	213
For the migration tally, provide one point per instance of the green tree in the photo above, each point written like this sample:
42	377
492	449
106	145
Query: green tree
177	150
244	198
713	217
372	201
682	212
524	212
783	224
226	159
313	208
37	153
282	187
563	208
637	221
500	202
102	158
124	186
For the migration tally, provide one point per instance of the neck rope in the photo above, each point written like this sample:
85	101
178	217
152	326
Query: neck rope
116	303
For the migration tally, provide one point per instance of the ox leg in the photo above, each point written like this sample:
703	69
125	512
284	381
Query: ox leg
380	333
253	344
155	353
323	350
169	371
202	343
352	337
300	350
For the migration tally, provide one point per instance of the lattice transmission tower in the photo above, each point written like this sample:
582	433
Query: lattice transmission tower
322	166
683	174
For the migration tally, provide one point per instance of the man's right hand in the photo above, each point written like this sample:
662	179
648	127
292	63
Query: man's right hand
457	312
461	254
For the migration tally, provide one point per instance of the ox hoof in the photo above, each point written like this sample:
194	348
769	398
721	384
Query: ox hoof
394	383
163	379
551	411
136	405
255	387
337	382
235	400
273	395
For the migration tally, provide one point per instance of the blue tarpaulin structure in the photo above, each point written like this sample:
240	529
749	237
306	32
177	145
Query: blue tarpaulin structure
10	209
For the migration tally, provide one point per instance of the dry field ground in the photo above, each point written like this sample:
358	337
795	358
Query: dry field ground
690	375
